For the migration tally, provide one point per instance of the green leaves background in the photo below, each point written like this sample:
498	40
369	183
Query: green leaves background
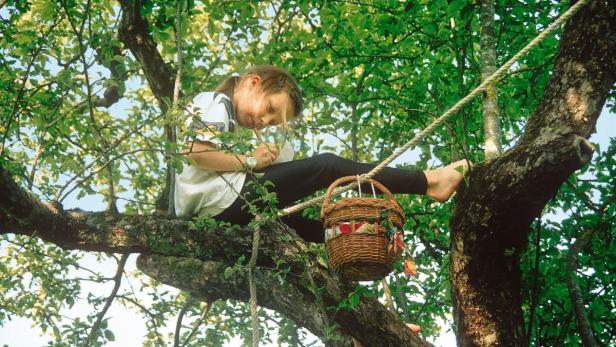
372	74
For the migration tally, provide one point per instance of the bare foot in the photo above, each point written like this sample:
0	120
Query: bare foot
443	182
414	328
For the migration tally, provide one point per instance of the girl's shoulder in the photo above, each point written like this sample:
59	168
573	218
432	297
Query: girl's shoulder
207	98
214	103
211	111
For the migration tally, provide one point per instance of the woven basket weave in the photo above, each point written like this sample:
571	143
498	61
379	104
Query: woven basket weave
361	256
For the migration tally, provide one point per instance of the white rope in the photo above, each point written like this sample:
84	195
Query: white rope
496	75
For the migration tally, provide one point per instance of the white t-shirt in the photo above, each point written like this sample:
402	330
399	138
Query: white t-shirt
199	191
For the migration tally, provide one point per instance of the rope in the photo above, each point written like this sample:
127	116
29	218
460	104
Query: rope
455	108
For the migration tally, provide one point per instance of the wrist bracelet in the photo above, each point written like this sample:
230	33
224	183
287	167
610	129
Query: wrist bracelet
251	162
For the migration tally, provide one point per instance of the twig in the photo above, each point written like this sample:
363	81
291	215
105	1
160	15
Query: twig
583	197
23	85
39	147
170	128
198	323
118	280
99	157
577	302
253	287
535	289
99	170
144	309
178	326
97	131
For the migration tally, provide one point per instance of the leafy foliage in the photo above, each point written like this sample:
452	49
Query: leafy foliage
372	73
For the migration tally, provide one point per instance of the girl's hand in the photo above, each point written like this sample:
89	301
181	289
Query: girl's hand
273	148
265	154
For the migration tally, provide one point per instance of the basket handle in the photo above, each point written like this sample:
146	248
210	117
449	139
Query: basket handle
345	179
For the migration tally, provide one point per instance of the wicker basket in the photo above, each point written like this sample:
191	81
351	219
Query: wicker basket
361	256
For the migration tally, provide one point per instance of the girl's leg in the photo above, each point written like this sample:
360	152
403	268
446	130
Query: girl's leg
310	230
297	179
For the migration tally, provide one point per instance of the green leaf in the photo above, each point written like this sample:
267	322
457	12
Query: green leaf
109	335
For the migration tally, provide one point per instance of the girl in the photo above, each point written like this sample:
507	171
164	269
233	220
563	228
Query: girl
268	96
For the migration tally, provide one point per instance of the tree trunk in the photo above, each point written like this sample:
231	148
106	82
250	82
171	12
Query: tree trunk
491	221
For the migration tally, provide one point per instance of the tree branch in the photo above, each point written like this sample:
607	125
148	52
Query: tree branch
134	33
204	312
178	326
212	250
117	281
534	296
491	127
577	302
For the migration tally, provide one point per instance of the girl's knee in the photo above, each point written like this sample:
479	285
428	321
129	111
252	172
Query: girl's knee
327	158
330	166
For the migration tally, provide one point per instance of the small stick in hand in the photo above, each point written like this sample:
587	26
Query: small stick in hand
258	135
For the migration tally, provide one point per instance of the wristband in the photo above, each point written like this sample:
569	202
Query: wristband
251	162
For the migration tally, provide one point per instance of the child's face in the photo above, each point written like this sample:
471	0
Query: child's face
255	109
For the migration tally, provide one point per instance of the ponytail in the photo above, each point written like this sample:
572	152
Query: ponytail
228	85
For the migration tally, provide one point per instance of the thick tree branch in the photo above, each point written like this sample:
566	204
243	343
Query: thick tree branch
206	281
370	322
289	296
492	216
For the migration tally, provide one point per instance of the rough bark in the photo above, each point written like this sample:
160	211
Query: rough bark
491	221
211	250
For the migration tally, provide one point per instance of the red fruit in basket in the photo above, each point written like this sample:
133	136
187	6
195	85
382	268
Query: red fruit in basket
345	228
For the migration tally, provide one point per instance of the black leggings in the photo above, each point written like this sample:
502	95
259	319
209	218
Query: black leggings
297	179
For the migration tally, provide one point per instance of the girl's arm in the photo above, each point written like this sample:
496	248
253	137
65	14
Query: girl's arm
208	157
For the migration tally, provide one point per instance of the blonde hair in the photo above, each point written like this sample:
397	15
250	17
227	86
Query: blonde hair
273	80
